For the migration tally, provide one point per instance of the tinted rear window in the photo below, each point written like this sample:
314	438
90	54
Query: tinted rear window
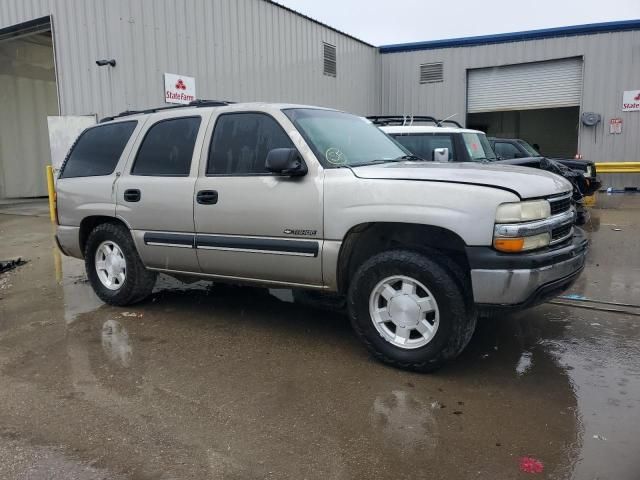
167	148
97	150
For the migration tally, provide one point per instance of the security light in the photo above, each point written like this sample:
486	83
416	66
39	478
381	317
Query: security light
104	63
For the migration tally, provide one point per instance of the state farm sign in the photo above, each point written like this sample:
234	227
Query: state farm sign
179	88
631	101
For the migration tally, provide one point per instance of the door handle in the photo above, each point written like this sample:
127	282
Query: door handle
207	197
132	195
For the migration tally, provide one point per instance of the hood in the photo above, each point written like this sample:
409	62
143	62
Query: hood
525	182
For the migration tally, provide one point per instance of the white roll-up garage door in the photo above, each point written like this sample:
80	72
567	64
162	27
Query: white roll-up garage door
526	86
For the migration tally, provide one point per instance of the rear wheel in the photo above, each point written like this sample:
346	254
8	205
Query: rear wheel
409	310
114	268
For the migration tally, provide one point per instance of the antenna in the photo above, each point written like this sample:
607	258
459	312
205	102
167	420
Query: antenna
440	122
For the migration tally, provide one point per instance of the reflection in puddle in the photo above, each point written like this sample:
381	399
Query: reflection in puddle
282	294
78	294
524	364
115	343
406	423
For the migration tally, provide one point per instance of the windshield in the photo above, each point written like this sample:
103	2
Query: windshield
341	139
530	150
478	147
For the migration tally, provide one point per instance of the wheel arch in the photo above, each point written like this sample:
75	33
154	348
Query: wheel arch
88	224
367	239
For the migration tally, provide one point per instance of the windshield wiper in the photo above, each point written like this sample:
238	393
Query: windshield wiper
484	159
373	162
411	157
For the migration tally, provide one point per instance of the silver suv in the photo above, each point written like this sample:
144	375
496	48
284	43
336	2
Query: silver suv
316	199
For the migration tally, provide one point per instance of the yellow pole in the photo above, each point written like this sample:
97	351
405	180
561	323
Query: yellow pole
52	194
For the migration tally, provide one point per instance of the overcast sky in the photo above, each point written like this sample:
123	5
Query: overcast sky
383	22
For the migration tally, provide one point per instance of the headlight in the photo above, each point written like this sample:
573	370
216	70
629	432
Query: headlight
523	211
589	172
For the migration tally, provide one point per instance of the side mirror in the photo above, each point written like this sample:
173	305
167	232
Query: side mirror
440	154
285	161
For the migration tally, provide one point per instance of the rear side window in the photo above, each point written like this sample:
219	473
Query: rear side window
167	148
423	145
97	150
241	142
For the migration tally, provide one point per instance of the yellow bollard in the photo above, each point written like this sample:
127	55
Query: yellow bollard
52	194
590	201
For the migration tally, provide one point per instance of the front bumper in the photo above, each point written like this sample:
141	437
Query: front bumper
523	280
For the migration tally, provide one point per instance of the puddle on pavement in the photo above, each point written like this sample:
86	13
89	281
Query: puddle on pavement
116	344
243	381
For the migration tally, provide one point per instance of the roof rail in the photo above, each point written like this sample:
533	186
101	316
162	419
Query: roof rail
408	120
195	103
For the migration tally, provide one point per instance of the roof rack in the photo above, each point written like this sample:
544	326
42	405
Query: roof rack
195	103
408	120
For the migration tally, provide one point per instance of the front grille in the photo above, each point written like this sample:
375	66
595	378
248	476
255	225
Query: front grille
560	204
561	232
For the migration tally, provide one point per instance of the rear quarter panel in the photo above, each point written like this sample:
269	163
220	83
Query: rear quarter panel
81	197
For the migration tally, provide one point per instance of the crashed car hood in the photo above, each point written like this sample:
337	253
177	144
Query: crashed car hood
526	182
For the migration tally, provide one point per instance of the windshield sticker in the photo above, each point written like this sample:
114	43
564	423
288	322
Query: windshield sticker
335	157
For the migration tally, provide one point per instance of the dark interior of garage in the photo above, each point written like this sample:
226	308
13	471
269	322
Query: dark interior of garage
28	95
555	130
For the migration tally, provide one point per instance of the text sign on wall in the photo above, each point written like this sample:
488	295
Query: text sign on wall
631	101
179	88
615	126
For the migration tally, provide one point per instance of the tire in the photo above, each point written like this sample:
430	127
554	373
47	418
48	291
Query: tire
137	283
452	320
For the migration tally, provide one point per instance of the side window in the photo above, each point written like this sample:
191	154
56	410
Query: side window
97	150
167	148
241	142
442	141
506	151
423	145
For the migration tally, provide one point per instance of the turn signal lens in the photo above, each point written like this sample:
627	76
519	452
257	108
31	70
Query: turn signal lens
521	244
509	245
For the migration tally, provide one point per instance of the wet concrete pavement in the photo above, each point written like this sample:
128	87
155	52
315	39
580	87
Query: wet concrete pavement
225	382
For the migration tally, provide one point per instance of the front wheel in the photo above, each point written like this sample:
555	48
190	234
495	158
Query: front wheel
114	268
409	310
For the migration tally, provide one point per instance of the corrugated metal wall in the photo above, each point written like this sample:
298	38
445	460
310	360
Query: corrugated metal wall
240	50
611	65
253	50
525	86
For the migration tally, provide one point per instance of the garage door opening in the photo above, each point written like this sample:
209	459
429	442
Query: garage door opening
538	102
554	130
28	95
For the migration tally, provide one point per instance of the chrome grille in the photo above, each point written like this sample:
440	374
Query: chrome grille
560	204
560	233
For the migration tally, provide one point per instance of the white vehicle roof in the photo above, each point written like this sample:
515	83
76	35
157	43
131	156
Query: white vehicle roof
395	129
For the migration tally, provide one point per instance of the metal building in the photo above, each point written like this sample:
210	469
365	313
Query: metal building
539	85
535	85
240	50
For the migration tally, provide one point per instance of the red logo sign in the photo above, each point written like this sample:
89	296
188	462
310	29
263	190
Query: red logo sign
180	85
637	97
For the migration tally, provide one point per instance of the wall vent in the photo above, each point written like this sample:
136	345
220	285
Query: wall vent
431	72
329	59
